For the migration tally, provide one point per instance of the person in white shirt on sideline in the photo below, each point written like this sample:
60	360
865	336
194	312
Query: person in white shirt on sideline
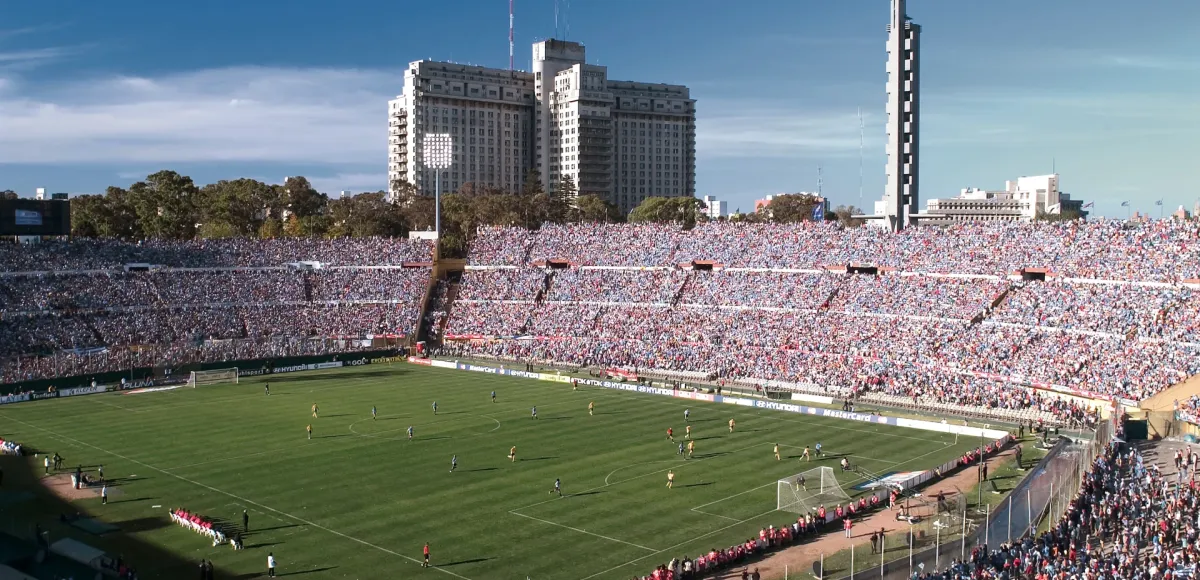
270	564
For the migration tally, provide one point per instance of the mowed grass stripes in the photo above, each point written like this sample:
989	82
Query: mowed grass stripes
359	500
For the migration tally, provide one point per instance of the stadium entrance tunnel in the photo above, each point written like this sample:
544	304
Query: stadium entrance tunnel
1033	275
558	264
866	270
702	266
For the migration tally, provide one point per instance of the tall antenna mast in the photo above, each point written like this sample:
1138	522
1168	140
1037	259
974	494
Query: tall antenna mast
819	180
555	18
510	35
860	159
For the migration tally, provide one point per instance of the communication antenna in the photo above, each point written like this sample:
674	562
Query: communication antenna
555	18
567	20
510	35
860	159
819	180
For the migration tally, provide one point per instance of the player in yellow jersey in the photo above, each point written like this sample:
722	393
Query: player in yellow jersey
512	454
776	452
691	448
687	434
314	410
591	407
805	455
670	479
731	425
309	429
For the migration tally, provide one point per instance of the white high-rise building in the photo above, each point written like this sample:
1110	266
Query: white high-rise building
624	141
902	192
1025	199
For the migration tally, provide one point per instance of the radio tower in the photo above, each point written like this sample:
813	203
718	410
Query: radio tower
510	35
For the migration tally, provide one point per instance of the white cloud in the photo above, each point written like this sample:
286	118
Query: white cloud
353	182
757	129
248	114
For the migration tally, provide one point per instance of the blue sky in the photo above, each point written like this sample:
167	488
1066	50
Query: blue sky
102	93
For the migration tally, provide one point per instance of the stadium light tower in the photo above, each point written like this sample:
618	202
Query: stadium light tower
437	155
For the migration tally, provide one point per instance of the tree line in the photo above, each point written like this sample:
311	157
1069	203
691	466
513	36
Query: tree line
169	205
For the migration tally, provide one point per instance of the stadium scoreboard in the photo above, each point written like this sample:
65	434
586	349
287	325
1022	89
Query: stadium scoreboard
35	217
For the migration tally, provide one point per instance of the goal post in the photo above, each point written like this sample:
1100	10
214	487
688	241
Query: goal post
804	492
213	377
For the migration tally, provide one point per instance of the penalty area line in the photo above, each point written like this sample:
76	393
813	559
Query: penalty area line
239	498
593	534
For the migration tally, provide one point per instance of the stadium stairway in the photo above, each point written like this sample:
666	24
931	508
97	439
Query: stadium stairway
687	281
547	282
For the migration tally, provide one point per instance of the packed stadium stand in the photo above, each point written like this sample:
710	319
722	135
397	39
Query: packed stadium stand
88	306
987	319
993	320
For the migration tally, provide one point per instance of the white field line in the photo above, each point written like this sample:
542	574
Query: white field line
239	498
683	543
610	393
593	534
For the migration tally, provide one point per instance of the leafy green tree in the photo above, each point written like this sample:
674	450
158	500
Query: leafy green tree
8	194
593	208
301	199
234	208
271	228
681	210
364	215
165	204
90	216
845	216
791	208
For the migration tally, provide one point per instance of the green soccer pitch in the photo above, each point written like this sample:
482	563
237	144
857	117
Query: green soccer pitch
359	500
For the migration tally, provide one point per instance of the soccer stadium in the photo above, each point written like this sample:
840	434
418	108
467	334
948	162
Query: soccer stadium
606	401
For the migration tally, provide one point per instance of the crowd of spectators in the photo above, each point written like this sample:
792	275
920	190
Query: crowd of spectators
86	254
56	322
8	447
1163	250
1129	521
979	340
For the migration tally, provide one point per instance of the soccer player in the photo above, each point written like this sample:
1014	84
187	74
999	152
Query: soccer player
574	385
800	484
731	425
425	552
314	410
435	407
557	487
591	407
512	454
493	396
805	455
671	434
267	389
410	432
818	448
687	413
687	433
534	412
453	463
691	448
776	452
681	448
670	479
309	429
373	413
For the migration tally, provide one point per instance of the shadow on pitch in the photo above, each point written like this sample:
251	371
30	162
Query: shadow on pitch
586	493
307	571
336	436
697	484
471	561
142	524
480	469
540	458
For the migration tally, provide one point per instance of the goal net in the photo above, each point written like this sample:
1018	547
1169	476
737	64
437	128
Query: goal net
805	492
213	377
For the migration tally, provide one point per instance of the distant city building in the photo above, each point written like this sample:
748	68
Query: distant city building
1181	214
622	140
1024	199
902	193
714	208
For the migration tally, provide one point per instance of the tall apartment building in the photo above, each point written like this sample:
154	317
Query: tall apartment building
624	141
902	192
